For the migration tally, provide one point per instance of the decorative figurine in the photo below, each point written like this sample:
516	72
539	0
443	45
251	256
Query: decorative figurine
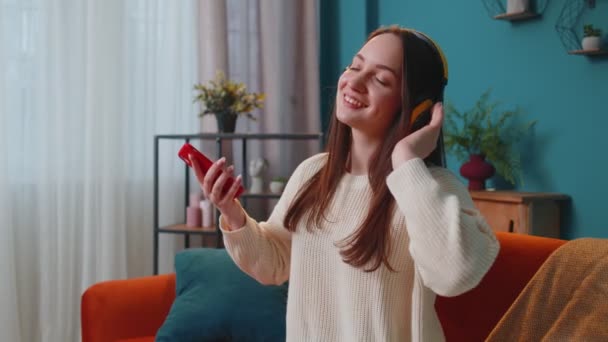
256	169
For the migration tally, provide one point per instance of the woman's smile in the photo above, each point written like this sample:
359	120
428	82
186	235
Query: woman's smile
352	103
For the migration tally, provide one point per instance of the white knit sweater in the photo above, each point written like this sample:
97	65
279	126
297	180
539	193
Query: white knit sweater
440	245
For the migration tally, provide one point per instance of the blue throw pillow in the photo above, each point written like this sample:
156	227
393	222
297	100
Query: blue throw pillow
216	301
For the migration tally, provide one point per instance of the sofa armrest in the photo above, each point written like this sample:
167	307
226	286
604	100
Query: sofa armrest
472	315
128	308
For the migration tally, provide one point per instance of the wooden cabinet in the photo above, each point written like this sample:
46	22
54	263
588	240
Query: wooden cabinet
521	212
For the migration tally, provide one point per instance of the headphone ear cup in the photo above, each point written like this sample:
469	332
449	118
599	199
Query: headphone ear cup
419	109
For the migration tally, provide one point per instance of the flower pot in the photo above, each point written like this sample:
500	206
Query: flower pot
276	187
517	6
226	122
591	43
477	170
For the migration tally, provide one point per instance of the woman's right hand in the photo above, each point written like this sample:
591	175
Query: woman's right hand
212	184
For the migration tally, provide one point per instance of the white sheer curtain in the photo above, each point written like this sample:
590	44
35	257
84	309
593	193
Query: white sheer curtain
84	86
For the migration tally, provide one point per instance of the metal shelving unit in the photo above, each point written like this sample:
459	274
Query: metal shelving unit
181	228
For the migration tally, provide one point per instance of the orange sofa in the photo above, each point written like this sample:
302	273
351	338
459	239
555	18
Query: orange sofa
134	309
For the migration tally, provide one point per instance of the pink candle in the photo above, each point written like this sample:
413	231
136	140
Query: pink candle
194	199
193	217
208	213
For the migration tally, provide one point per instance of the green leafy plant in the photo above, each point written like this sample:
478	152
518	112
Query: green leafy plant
225	97
590	31
487	131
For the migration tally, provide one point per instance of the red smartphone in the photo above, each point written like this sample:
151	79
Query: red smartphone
205	163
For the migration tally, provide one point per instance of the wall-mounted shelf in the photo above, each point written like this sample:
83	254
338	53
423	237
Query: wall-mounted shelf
567	22
517	16
599	52
496	9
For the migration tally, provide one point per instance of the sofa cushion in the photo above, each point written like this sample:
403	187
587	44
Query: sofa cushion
216	301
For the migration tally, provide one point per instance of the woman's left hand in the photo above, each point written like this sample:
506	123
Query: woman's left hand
421	143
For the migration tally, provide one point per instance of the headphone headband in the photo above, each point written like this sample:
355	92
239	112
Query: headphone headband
435	47
426	104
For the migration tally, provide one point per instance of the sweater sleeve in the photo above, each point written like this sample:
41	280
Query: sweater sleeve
263	249
451	244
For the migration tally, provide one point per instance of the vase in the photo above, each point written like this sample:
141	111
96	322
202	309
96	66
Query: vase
477	170
591	43
517	6
226	122
276	187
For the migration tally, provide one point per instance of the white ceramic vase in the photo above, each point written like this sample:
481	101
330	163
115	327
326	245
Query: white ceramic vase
591	43
276	187
517	6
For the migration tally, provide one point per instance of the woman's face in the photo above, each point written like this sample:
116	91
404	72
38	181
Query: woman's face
369	91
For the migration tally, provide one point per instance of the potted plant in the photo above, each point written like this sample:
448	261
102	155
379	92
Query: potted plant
226	100
591	40
277	184
484	138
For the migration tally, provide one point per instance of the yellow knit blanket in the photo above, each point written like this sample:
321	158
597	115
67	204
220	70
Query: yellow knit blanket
566	300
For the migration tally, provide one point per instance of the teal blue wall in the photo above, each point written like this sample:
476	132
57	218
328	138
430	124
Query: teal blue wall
526	65
343	29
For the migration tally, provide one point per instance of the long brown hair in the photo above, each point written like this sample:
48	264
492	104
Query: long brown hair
369	246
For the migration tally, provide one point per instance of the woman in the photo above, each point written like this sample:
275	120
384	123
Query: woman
371	231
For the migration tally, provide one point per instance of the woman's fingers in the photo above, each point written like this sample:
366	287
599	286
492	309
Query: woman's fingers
217	191
437	115
212	174
213	182
231	193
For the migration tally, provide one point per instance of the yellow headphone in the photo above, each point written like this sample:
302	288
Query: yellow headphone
426	104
